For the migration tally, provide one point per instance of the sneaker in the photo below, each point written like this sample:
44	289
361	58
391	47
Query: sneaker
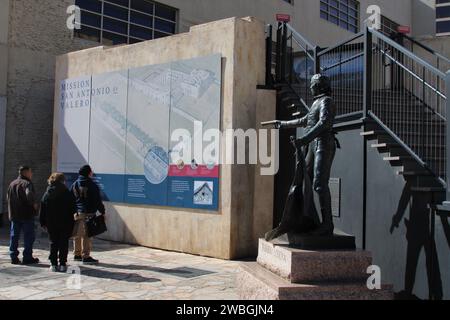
30	261
63	268
53	268
15	261
78	258
90	260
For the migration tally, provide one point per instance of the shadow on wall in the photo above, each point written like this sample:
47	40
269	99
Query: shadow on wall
419	237
118	230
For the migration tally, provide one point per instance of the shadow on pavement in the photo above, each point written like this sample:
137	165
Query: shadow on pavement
182	272
120	276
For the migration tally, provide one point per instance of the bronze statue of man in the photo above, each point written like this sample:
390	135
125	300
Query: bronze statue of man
321	141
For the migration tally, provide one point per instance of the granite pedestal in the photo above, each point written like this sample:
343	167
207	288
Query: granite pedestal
285	273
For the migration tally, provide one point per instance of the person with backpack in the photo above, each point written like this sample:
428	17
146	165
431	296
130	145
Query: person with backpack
58	207
88	202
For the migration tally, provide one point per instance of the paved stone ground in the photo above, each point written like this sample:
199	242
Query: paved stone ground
125	272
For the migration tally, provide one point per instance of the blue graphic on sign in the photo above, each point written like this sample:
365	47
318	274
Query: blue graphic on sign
156	165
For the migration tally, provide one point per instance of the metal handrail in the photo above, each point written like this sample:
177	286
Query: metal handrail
413	74
343	43
305	49
407	53
347	60
299	36
425	47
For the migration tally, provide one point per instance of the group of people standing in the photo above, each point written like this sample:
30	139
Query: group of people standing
62	213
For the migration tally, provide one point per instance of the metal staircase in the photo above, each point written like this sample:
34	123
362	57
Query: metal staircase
394	86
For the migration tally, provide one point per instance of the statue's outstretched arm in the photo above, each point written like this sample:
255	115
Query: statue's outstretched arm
298	123
326	121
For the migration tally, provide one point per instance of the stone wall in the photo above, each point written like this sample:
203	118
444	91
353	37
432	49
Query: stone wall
4	13
37	34
233	231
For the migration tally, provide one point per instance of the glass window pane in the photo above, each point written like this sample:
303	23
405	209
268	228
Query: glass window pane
91	19
353	4
140	32
334	20
160	35
353	29
165	26
443	26
119	2
131	21
115	25
91	5
133	40
142	5
165	12
115	11
443	12
113	39
141	19
353	13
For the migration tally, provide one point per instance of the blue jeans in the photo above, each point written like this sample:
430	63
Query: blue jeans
28	237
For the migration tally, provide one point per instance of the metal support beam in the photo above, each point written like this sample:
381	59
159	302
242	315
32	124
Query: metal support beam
284	56
278	54
317	60
269	52
447	150
367	73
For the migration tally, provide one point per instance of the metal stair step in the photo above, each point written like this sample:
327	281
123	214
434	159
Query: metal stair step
397	158
385	145
372	133
414	173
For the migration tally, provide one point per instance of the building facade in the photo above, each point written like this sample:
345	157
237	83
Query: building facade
34	32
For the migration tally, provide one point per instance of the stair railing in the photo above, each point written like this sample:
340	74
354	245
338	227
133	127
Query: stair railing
344	65
375	77
409	100
425	52
296	61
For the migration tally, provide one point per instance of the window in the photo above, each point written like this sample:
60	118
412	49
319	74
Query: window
388	27
343	13
125	21
442	17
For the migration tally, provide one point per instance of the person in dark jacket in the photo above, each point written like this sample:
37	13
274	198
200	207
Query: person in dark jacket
22	209
89	202
58	207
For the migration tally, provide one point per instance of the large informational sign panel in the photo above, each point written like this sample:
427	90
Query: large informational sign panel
122	123
74	118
